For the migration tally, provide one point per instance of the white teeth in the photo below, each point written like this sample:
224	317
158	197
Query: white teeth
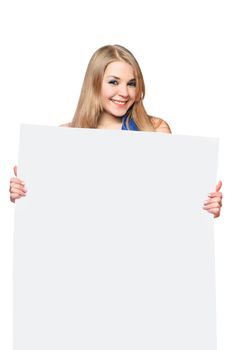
119	102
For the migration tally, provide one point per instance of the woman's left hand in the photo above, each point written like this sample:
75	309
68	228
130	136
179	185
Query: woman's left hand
214	202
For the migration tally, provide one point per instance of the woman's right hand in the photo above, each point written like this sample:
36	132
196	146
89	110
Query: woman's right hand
17	187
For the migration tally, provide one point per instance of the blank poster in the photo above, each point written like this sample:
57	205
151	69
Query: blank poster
112	249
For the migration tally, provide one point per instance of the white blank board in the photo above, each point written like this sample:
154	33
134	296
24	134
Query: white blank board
112	248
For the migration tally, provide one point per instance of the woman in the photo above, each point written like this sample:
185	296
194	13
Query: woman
112	98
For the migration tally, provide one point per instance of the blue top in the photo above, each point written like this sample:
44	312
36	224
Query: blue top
132	125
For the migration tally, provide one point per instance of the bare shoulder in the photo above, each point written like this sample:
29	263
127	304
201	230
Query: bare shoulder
160	125
65	125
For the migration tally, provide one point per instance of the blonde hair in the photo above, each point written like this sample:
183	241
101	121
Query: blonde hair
89	108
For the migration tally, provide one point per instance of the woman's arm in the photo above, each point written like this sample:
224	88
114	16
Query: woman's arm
65	125
160	125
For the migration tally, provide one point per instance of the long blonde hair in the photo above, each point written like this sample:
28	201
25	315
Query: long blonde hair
89	108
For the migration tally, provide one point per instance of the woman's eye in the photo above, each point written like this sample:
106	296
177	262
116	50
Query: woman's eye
132	83
113	82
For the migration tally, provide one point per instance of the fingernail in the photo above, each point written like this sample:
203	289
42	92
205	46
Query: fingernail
205	202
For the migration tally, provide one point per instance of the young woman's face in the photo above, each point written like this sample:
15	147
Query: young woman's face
118	90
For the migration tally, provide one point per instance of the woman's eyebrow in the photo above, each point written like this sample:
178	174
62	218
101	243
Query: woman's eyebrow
113	76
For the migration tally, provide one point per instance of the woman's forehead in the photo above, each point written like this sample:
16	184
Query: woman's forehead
119	68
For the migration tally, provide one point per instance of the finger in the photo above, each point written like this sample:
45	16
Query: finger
212	206
14	196
215	194
218	186
12	199
213	200
215	212
18	191
15	180
17	186
15	170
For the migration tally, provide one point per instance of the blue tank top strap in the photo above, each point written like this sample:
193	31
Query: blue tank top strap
132	125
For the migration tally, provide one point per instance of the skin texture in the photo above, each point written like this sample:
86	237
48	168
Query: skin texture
17	187
118	93
117	96
214	202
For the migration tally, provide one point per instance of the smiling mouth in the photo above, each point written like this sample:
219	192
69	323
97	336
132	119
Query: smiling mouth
119	102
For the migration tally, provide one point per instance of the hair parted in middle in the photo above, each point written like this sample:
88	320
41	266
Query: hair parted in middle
89	107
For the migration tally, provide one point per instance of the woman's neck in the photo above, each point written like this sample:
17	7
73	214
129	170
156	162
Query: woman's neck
107	121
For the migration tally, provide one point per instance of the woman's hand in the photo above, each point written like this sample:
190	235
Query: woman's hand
214	202
17	187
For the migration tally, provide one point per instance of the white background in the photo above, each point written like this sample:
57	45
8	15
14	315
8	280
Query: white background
184	49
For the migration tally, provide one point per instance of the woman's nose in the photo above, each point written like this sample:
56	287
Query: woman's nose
123	90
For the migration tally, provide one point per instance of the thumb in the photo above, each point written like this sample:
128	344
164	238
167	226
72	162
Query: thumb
15	170
218	186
